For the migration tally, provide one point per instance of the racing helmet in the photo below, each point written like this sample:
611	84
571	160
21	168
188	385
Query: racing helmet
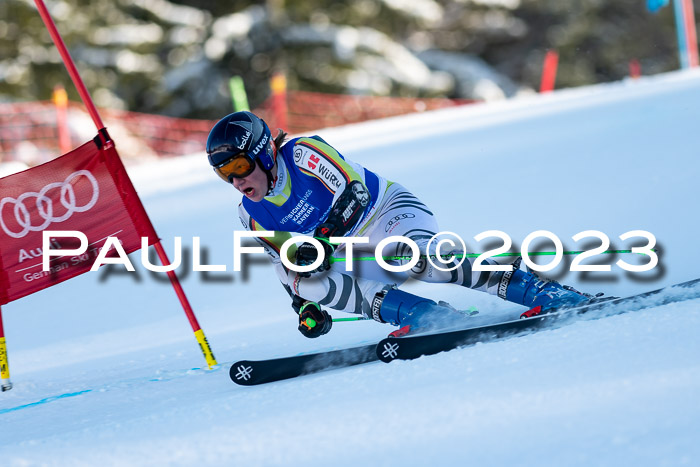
237	142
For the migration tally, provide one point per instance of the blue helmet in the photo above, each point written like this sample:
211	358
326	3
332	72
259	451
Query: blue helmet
241	132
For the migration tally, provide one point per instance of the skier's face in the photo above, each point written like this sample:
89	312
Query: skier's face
254	186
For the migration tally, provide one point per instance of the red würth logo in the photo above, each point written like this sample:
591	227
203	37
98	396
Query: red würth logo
313	160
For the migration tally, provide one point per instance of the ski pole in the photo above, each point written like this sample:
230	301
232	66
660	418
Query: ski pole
311	323
474	255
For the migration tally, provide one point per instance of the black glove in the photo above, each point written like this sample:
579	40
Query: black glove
307	253
313	321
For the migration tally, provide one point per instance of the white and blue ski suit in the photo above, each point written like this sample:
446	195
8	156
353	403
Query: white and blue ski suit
310	177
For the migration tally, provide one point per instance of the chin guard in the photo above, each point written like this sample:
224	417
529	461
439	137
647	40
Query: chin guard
346	212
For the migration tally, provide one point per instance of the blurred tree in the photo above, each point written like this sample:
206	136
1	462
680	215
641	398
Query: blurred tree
175	57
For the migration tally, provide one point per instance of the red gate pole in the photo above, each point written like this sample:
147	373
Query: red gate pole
198	333
70	65
5	383
92	110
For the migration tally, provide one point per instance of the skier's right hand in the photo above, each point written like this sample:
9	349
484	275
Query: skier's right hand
314	321
306	254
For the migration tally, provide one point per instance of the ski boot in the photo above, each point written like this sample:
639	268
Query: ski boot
540	295
413	313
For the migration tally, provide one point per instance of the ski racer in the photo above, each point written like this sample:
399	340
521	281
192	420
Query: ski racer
305	186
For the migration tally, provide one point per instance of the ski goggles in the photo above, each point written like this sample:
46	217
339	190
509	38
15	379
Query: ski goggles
237	166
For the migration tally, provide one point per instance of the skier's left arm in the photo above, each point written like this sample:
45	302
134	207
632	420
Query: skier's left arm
350	196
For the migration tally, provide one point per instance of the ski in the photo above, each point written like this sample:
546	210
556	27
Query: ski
410	347
253	372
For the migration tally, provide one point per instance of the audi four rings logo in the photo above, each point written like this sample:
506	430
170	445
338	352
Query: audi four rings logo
45	207
395	219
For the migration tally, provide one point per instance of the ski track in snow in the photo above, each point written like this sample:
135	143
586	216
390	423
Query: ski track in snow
106	370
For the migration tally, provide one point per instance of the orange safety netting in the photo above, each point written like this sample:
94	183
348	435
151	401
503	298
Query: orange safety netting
312	110
29	130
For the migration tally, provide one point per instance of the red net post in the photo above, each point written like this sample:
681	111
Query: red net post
690	32
60	100
549	71
278	84
635	68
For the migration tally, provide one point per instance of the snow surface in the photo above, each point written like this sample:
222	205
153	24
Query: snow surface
107	372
